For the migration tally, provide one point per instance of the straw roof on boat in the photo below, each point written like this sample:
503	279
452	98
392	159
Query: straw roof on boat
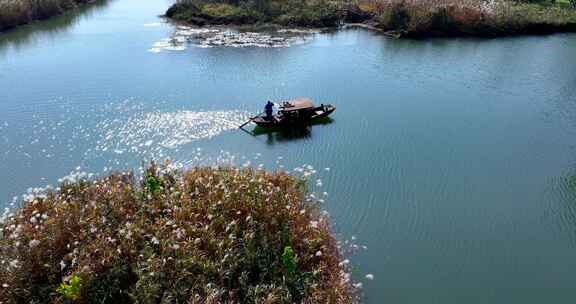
297	104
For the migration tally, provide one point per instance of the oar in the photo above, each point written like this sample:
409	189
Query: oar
251	118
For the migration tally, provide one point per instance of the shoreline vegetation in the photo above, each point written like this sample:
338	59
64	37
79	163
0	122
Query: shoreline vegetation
19	12
203	235
397	18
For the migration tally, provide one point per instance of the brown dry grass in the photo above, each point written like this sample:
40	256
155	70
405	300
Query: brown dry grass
474	17
410	17
17	12
200	236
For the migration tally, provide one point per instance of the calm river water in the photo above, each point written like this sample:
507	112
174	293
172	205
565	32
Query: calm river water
451	160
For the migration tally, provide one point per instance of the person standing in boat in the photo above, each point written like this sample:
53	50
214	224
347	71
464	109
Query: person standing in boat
269	109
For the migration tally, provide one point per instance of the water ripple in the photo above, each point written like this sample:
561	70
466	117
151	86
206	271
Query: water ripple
154	131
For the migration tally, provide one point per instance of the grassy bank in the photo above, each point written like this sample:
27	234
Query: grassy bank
200	236
288	13
417	18
411	18
18	12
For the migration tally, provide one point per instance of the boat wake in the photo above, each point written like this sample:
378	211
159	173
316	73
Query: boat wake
148	134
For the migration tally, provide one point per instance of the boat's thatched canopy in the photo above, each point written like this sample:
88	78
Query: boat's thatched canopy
297	104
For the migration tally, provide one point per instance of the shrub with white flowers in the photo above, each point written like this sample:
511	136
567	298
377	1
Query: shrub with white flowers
205	235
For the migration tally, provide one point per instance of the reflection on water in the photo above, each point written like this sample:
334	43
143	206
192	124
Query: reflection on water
288	135
276	135
101	137
25	35
148	134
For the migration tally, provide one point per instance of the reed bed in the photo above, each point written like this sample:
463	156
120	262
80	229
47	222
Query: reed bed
414	18
307	13
17	12
205	235
469	17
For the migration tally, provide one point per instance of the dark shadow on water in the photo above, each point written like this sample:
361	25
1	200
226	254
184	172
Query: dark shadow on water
25	35
284	134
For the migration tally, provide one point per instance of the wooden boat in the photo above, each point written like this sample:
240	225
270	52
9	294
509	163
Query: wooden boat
300	111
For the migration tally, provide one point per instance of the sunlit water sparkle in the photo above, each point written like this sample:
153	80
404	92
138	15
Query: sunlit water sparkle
158	130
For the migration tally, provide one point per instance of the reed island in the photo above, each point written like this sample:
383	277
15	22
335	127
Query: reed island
399	18
202	235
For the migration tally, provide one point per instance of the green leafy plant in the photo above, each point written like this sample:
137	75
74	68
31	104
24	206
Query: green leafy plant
289	259
153	183
71	290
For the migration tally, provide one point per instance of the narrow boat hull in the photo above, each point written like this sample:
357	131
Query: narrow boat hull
283	120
